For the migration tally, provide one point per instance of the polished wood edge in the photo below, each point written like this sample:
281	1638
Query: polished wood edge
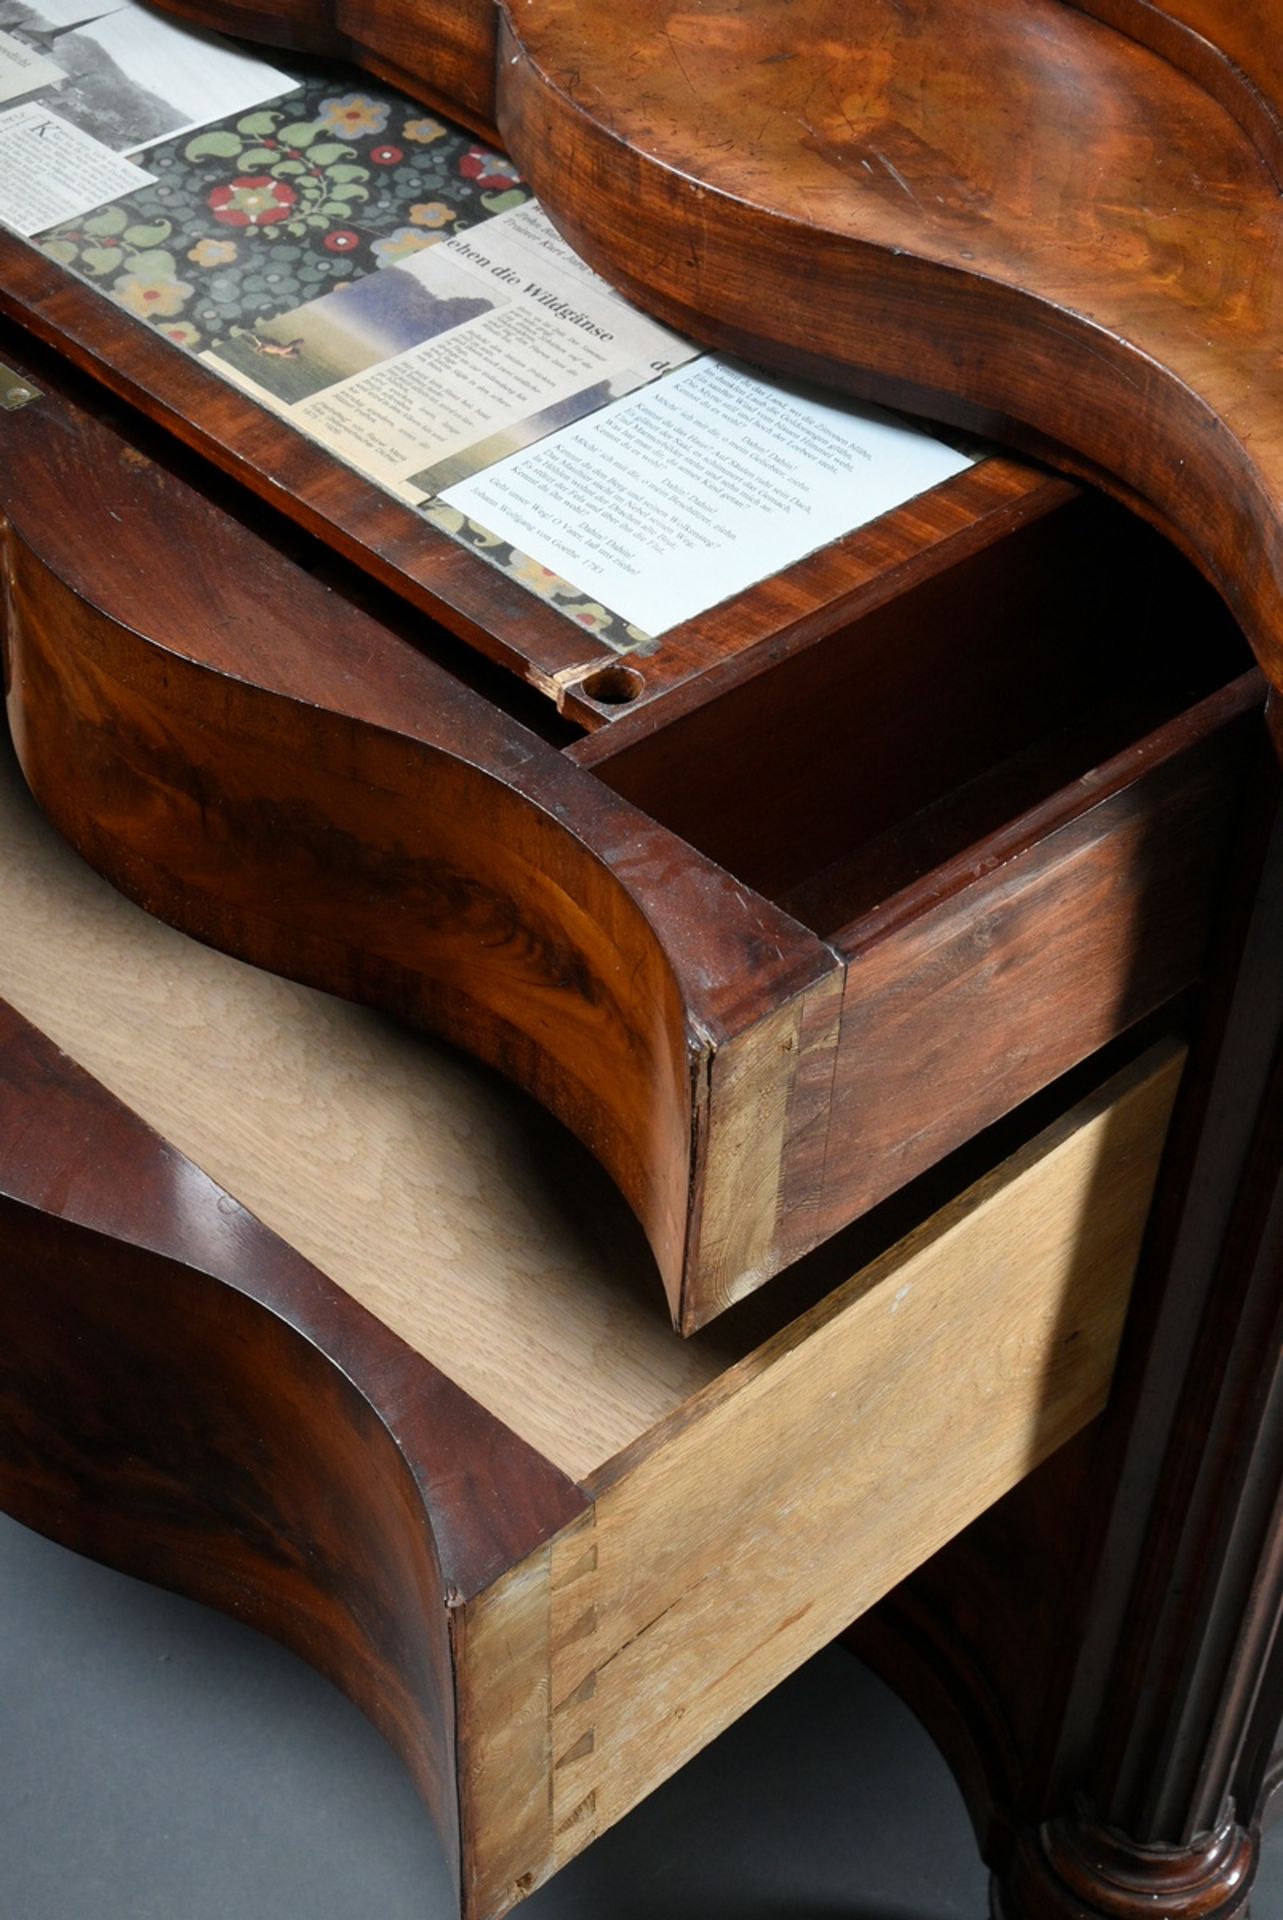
905	324
1157	408
184	1397
1214	67
1076	1869
451	69
833	587
1154	1073
1099	1653
351	515
1191	735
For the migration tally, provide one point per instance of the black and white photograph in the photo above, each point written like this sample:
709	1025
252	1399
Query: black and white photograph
128	78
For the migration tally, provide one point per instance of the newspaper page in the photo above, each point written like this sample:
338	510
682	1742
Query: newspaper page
51	171
688	493
438	367
22	69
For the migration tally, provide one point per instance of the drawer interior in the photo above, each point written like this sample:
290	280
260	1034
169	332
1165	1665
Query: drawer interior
849	771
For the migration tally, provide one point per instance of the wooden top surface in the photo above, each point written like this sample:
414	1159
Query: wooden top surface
988	208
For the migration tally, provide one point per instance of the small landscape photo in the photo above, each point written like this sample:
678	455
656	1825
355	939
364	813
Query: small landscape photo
302	352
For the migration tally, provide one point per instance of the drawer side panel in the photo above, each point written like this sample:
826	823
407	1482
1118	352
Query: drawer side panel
748	1529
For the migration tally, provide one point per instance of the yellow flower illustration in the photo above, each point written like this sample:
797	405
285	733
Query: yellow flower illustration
591	615
431	213
396	246
424	131
212	253
152	296
353	114
539	578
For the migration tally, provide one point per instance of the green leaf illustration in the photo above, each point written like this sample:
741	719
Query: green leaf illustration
284	167
218	145
328	152
149	236
110	220
301	134
257	124
349	191
348	172
153	264
101	259
258	157
500	202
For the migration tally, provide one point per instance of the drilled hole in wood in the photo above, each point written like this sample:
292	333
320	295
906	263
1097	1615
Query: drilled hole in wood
613	686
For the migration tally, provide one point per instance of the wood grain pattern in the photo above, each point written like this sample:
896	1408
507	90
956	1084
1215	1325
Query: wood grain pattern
1179	1676
255	758
405	1173
588	1667
452	67
1230	47
1003	210
494	616
742	1534
226	1421
1099	1656
1041	959
268	767
1064	228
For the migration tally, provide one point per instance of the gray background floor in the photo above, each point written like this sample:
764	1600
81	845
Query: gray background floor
158	1762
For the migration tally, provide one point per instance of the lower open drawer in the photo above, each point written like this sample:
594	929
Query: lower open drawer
473	1475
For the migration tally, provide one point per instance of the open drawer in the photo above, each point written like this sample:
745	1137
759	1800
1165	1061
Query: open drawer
771	946
472	1475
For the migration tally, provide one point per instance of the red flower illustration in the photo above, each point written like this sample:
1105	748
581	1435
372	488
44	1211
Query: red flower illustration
385	156
478	163
252	201
342	240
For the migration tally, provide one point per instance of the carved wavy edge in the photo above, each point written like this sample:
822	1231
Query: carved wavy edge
901	324
1213	67
908	324
226	1422
260	763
